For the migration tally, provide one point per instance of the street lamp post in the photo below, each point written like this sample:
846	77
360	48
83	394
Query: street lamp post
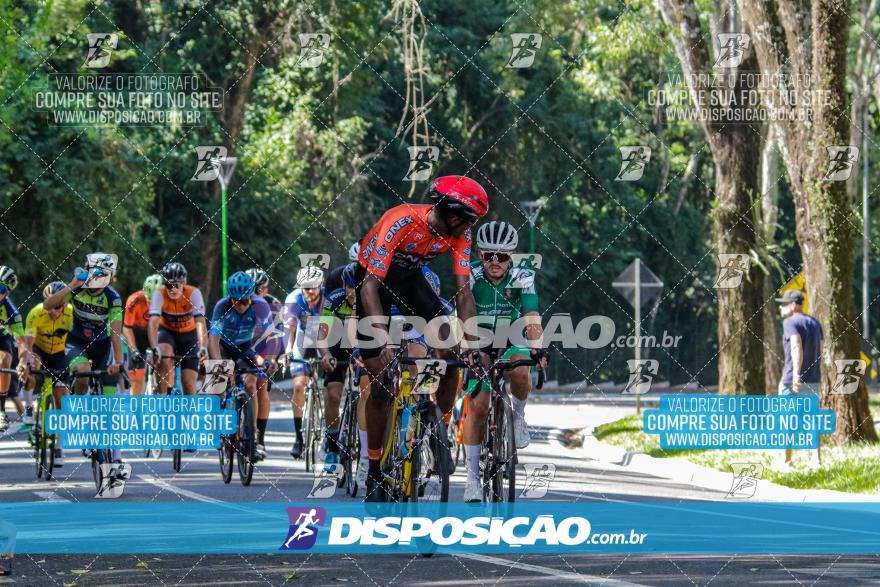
532	208
225	168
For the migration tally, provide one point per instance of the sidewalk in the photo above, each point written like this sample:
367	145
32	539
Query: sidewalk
564	416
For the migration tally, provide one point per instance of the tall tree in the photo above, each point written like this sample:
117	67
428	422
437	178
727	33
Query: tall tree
809	43
736	150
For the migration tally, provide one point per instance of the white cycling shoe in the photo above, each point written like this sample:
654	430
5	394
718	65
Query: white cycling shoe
4	422
363	469
473	491
521	432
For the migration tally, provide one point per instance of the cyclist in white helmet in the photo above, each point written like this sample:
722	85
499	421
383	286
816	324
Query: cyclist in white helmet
354	250
306	301
501	290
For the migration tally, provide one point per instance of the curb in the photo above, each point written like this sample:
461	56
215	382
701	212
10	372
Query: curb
683	471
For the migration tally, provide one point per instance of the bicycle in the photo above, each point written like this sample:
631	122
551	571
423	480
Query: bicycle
498	457
416	442
150	389
313	414
103	456
349	442
45	444
175	389
240	446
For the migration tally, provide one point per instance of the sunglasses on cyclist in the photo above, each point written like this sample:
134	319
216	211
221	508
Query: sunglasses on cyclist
173	285
241	302
490	256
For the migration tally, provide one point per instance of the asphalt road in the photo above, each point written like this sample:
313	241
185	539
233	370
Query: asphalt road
280	478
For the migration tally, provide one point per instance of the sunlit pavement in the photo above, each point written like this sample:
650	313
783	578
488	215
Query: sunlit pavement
553	419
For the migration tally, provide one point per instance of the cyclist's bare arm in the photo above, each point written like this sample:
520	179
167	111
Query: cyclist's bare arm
213	346
202	331
373	307
57	299
153	332
534	332
116	343
464	303
128	333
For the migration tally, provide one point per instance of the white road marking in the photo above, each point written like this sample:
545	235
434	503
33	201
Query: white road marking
50	496
153	480
592	579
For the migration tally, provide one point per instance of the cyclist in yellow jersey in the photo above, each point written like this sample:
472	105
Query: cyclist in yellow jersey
45	333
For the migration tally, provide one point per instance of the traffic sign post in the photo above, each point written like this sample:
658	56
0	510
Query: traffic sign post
532	208
225	168
638	285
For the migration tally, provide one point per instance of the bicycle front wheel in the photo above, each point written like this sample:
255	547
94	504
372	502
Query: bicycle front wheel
246	444
429	469
503	453
307	423
226	451
351	448
47	440
317	427
176	455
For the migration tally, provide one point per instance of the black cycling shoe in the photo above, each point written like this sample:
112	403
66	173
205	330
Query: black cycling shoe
297	450
375	490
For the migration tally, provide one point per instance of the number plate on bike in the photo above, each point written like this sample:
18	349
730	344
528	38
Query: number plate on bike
217	374
428	377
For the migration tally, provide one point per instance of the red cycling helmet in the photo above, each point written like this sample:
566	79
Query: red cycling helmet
460	196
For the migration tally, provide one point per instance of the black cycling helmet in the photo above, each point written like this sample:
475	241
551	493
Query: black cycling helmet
173	272
348	275
259	276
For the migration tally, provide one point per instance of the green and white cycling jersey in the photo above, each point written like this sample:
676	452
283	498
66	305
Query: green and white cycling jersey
514	296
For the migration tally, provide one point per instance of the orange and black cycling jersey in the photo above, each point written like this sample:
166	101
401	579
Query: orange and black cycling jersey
402	239
178	315
137	311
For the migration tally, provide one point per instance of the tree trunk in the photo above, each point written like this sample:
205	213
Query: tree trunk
232	121
740	309
736	151
774	354
792	37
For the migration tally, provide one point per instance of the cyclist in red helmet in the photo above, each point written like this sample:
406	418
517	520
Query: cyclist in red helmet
389	271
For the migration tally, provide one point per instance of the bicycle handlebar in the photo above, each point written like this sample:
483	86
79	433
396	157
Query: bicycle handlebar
502	365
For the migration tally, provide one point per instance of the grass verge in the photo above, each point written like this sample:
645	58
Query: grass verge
854	468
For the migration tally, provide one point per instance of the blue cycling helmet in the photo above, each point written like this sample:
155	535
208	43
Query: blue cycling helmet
348	275
432	278
240	285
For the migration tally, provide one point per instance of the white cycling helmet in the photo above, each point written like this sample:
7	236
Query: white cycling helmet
497	236
354	250
309	277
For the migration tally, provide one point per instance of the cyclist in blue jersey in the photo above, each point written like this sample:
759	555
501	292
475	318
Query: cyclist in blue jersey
302	311
11	335
269	346
236	322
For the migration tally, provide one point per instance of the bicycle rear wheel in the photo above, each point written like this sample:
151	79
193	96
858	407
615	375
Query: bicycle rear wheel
246	444
503	453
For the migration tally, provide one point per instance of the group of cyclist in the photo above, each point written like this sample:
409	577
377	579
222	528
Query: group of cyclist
84	325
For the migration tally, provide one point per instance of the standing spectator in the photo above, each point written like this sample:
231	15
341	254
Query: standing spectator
802	340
